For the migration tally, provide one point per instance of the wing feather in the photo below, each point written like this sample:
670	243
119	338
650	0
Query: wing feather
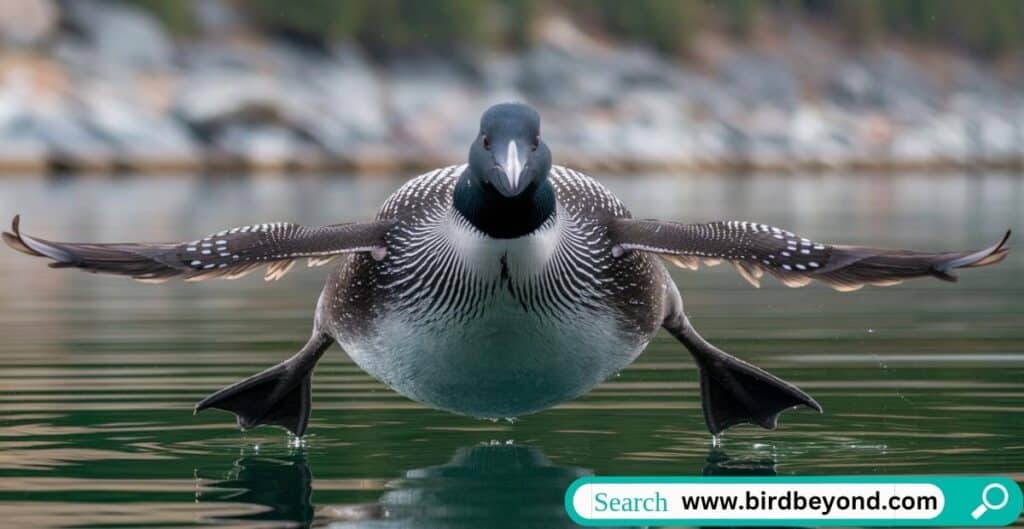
755	249
229	254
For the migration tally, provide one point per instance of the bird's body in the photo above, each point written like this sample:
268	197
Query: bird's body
530	321
505	286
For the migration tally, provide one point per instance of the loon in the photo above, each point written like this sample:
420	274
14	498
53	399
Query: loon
505	286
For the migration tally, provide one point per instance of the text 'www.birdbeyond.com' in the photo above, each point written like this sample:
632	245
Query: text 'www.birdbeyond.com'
807	501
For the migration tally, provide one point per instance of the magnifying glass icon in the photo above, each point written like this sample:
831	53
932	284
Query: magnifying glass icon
986	505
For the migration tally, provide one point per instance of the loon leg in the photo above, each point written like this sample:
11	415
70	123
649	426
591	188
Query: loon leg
278	396
733	391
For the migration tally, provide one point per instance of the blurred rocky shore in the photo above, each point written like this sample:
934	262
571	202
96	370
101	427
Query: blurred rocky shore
92	85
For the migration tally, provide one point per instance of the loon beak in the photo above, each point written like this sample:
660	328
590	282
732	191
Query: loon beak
512	166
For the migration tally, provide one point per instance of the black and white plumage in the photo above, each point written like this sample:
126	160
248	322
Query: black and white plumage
230	254
756	248
505	286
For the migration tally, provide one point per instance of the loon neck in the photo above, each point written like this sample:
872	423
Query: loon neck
499	216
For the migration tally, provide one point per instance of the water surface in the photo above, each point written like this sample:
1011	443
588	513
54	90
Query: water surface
98	375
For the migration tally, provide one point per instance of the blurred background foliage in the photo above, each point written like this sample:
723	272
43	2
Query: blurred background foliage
985	27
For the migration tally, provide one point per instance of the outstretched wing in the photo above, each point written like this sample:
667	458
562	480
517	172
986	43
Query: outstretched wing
229	254
758	248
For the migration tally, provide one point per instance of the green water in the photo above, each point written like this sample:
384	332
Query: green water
98	375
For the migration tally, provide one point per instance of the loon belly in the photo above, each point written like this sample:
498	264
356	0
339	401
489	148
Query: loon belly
506	363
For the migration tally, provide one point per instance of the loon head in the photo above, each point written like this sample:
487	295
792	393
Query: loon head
505	191
508	155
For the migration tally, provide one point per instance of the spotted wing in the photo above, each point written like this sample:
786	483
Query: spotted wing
758	248
229	254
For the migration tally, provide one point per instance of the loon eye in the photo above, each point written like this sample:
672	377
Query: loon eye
487	143
536	142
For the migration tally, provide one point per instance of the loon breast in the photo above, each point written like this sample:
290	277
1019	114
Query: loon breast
445	270
518	260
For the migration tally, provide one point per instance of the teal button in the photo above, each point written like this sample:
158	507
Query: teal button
923	501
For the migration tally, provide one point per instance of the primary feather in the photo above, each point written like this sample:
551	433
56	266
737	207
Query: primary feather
230	253
756	248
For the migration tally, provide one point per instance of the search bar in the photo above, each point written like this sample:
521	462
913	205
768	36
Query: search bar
799	501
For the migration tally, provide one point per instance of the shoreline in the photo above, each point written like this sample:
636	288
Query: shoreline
800	101
379	168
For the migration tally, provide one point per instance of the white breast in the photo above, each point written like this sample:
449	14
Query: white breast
526	257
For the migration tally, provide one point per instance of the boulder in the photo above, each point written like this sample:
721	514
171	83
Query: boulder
760	78
569	69
433	111
121	33
345	111
20	148
27	22
71	143
265	147
141	137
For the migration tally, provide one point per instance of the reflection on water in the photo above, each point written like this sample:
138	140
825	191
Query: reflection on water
481	486
495	485
492	485
98	375
284	485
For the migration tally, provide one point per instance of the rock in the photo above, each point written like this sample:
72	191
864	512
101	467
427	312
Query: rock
37	116
993	137
209	100
759	78
911	148
853	85
500	72
653	128
709	143
568	69
815	140
887	79
218	18
332	103
949	138
20	149
141	138
345	113
72	145
430	109
120	33
967	77
27	22
266	147
905	89
244	116
555	77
